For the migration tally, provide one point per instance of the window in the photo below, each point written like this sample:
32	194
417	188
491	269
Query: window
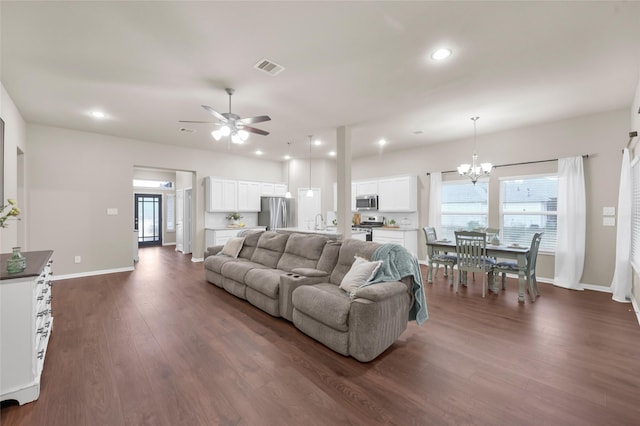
529	205
157	184
464	207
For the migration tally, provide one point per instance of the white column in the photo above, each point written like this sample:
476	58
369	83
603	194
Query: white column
343	157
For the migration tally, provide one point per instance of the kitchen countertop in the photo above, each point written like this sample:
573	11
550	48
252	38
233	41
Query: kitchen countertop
329	231
385	228
233	228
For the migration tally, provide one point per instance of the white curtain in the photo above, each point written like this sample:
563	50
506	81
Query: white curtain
435	201
621	283
572	223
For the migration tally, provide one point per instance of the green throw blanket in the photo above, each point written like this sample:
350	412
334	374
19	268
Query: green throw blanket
397	264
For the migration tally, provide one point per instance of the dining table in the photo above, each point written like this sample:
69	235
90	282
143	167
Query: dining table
503	251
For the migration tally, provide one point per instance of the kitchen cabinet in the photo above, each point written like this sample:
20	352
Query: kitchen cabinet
217	237
269	189
407	238
221	194
280	189
398	194
26	323
248	196
365	187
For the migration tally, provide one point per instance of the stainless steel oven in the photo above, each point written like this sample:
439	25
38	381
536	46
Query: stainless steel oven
366	202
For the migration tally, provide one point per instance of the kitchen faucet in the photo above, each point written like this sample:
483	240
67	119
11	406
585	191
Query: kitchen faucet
321	225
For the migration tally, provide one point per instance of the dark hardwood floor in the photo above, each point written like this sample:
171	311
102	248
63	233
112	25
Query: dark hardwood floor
161	346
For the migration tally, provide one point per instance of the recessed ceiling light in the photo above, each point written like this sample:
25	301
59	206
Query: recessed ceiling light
441	54
332	153
287	157
258	152
317	142
382	142
98	114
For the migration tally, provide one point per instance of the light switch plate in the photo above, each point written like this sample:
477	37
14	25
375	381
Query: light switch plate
608	211
112	211
608	221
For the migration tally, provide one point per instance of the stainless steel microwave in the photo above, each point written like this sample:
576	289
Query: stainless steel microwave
366	202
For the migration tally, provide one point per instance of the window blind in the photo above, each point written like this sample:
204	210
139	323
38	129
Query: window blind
529	205
464	207
635	215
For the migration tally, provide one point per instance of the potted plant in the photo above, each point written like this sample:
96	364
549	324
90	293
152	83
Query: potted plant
234	218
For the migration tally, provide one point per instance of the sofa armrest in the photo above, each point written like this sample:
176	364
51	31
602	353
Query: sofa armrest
375	322
212	250
380	291
291	281
310	272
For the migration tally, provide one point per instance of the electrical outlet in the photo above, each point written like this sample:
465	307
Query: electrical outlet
608	211
78	259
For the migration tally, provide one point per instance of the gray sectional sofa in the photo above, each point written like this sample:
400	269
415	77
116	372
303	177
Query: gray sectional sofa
297	277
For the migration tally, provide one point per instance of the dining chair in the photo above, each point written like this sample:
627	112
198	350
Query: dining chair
529	269
471	249
438	257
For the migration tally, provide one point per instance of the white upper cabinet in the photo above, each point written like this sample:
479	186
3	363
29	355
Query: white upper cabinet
249	196
366	187
267	189
280	189
221	194
398	194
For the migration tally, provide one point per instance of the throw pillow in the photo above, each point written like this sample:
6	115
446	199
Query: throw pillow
233	246
360	273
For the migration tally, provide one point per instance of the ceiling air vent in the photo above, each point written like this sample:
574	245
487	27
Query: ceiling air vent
268	67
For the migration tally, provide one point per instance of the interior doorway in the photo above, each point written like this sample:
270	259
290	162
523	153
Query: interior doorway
148	219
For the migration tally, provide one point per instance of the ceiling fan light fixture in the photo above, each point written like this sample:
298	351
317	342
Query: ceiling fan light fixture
217	134
236	138
225	130
244	135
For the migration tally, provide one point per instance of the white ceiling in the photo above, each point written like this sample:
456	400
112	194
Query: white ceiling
361	64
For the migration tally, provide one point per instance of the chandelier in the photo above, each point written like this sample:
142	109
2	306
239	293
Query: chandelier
473	171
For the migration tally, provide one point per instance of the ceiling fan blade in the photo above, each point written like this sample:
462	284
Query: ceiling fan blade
254	130
189	121
215	113
252	120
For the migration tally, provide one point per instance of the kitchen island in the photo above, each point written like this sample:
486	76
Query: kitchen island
330	231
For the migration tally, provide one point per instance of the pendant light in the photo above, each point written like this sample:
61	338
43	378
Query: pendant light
473	171
309	191
288	193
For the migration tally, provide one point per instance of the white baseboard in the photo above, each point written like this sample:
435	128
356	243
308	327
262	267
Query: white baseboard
197	259
92	273
168	244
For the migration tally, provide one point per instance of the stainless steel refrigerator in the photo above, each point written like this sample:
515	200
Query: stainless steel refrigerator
276	212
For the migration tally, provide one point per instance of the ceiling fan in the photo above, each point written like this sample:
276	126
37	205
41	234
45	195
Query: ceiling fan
231	124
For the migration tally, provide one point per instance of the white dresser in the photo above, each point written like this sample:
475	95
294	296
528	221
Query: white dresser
26	322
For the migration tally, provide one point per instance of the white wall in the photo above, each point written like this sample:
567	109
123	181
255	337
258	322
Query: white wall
13	179
602	136
69	198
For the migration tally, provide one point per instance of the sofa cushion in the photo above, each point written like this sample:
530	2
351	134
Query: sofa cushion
360	273
232	247
329	256
270	248
251	238
302	251
326	303
215	263
266	281
237	270
350	248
